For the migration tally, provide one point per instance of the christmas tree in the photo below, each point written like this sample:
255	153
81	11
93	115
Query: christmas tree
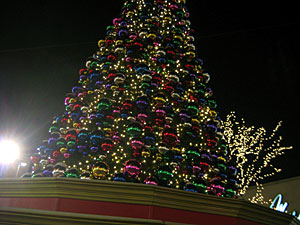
142	110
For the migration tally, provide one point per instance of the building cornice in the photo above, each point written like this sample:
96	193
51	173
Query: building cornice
140	194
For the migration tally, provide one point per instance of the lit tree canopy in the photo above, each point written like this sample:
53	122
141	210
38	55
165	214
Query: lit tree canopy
252	150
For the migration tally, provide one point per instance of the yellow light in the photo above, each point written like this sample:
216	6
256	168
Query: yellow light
253	151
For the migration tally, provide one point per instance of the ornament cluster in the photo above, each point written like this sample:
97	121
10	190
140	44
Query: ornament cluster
142	110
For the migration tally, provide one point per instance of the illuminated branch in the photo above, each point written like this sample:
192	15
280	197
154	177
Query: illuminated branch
253	151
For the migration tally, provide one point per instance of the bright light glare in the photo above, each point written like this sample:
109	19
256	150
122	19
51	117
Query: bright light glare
9	151
23	164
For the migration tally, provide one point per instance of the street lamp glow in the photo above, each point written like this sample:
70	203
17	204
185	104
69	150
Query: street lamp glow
9	151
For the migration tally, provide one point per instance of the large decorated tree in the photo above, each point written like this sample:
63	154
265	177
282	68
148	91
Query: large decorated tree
142	110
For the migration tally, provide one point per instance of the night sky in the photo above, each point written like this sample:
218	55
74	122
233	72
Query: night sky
250	48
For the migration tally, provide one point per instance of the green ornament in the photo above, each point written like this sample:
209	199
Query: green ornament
109	27
221	166
94	64
72	173
60	143
230	193
164	173
201	188
192	154
68	108
71	144
53	129
145	85
134	130
212	104
192	109
103	105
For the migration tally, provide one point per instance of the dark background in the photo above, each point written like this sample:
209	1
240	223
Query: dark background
250	48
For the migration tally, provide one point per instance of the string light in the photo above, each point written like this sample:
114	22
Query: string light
142	110
253	150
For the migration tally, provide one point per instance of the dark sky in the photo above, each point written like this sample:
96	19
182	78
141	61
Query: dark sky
250	48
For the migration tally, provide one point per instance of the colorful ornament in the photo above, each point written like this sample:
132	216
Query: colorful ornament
165	173
132	167
100	169
134	129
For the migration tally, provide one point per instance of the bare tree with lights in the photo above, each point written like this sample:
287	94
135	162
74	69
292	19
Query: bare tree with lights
253	150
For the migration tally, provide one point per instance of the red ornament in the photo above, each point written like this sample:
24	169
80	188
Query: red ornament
56	154
127	105
35	159
216	189
107	145
111	76
159	122
67	155
211	143
204	166
133	167
70	136
170	137
196	169
168	87
137	144
160	113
